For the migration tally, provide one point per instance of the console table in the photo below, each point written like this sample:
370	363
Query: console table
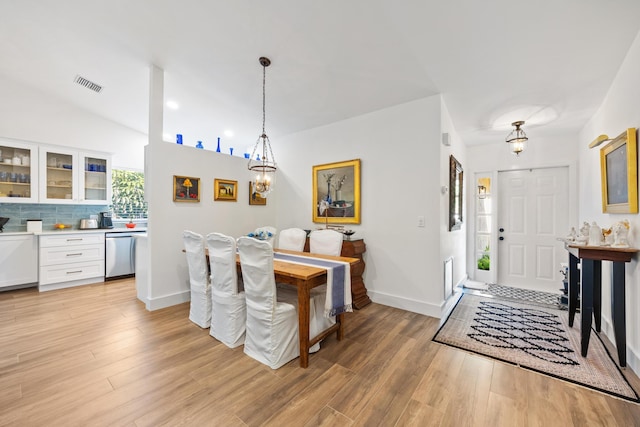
354	249
590	258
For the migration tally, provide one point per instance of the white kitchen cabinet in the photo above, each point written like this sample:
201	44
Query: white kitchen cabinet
71	176
71	259
18	171
18	260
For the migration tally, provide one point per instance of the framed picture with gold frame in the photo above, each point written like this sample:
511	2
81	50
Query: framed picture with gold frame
255	198
225	190
619	173
336	192
186	189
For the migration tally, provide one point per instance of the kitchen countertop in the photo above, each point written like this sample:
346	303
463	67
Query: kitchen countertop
75	231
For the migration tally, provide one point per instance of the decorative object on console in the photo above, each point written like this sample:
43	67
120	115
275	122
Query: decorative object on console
186	189
265	167
620	231
199	145
225	190
583	237
619	174
517	138
336	192
571	237
595	235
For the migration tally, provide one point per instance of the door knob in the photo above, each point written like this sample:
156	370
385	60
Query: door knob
501	230
500	238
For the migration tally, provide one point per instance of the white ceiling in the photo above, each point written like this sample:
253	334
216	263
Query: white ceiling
549	62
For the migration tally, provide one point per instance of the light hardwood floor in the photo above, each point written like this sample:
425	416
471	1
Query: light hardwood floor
94	356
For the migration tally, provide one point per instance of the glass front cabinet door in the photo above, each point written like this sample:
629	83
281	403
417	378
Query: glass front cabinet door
95	178
58	182
18	171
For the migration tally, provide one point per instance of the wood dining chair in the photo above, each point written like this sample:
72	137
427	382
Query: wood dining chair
199	280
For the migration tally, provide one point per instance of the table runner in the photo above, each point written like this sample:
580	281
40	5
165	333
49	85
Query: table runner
338	298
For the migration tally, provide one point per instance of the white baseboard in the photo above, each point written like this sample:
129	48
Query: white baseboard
420	307
167	300
633	358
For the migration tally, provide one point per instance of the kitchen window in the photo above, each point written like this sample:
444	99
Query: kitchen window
128	195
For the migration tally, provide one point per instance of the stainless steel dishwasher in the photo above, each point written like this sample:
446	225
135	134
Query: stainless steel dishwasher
119	259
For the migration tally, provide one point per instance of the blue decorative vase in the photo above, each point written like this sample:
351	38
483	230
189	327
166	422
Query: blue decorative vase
199	145
179	139
231	151
328	193
218	149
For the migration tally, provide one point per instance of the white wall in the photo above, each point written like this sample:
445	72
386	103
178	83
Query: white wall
31	115
453	243
618	112
401	175
168	274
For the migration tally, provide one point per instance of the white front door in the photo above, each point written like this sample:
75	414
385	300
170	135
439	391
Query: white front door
533	211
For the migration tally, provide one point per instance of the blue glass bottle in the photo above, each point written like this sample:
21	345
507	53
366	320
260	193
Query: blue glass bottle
199	145
179	138
218	149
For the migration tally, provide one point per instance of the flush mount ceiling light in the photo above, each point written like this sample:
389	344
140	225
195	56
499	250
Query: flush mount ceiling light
517	138
262	161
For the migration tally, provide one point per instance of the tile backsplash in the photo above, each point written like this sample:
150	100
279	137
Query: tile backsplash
50	214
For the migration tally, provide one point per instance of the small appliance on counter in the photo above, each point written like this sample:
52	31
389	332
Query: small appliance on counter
3	221
34	225
105	220
88	224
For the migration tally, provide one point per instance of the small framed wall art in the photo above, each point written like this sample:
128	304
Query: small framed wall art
186	189
225	190
255	198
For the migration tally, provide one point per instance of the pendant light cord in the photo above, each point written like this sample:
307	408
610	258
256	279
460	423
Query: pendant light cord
264	82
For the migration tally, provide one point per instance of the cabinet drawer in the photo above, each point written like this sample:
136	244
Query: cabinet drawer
71	254
69	272
71	240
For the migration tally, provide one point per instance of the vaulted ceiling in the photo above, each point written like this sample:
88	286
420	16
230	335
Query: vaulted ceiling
549	62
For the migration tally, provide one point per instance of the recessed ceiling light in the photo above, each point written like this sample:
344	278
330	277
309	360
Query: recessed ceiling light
228	133
173	105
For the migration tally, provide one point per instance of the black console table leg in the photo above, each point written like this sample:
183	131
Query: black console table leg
586	302
618	311
597	294
574	287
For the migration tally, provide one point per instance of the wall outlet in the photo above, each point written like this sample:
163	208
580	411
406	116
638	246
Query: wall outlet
420	221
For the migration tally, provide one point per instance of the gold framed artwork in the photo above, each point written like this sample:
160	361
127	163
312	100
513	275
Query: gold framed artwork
255	198
336	192
186	189
619	173
225	190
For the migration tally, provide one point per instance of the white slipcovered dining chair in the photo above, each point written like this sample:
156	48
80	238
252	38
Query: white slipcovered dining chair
266	230
324	242
199	283
229	312
272	325
292	239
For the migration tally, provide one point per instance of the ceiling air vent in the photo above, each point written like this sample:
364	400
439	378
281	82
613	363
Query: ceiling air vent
88	84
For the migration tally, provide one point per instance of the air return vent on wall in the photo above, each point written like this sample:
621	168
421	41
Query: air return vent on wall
88	84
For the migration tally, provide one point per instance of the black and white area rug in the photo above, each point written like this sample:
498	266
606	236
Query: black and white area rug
533	337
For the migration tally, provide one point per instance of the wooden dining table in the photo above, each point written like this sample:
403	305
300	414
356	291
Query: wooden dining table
305	278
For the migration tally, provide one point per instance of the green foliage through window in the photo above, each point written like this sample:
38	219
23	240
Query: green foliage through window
128	194
484	262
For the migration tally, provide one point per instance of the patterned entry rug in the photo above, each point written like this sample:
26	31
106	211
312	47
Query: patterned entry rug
533	337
